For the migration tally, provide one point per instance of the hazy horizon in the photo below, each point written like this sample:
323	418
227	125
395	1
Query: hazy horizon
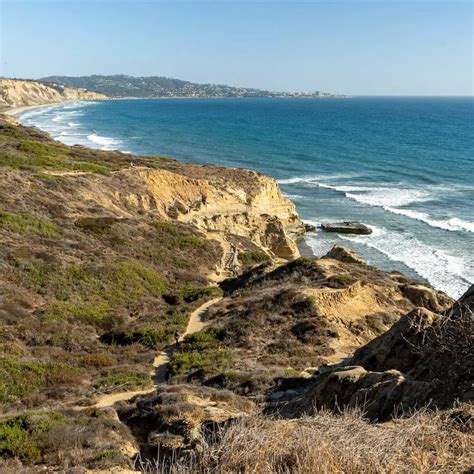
358	48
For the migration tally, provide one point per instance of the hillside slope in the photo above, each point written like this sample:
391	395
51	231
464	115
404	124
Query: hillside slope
154	86
100	248
21	93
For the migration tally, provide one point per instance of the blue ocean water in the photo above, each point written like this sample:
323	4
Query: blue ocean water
404	166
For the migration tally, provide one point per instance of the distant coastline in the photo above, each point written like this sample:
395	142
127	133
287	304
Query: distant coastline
151	87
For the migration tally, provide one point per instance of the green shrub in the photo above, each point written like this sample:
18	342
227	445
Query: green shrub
97	360
89	167
90	293
33	154
148	337
187	241
151	337
28	224
215	359
179	237
341	281
166	227
122	379
91	312
252	258
40	149
22	378
192	292
15	160
200	341
19	435
201	350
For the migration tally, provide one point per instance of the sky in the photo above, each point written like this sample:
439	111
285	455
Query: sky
357	47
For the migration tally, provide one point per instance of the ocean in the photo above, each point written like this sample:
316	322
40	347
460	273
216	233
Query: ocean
403	166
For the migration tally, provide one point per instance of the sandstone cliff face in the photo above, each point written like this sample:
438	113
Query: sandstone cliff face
19	93
264	216
216	202
424	359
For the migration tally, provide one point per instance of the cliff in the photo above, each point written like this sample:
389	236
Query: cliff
21	93
225	203
425	358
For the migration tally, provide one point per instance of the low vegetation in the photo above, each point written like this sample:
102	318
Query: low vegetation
252	258
90	293
20	378
191	293
62	440
28	224
422	442
202	350
123	379
20	436
28	149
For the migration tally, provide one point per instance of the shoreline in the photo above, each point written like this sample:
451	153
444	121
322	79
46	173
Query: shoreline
17	111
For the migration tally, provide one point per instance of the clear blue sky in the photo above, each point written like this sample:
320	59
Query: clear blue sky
388	47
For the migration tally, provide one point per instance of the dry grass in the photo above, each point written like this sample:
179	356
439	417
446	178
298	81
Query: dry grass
425	442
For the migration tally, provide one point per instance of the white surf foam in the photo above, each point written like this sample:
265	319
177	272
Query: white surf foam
319	246
443	270
293	196
453	224
315	179
376	196
106	143
387	196
391	198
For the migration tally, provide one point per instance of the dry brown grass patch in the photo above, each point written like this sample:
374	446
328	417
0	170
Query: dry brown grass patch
423	442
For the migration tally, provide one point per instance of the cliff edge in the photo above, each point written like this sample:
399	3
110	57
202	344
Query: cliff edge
23	93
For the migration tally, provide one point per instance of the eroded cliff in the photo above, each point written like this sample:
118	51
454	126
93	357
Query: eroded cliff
21	93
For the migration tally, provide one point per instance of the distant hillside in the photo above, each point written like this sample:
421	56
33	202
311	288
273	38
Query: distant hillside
20	93
129	86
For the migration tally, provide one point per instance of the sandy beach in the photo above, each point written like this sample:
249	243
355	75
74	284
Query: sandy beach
17	111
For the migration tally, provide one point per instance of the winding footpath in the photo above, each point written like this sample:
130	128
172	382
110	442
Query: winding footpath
196	323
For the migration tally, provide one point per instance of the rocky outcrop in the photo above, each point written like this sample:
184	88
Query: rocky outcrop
21	93
424	359
215	201
347	228
345	255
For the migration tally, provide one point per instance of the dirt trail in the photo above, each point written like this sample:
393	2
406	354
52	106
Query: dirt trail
196	323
